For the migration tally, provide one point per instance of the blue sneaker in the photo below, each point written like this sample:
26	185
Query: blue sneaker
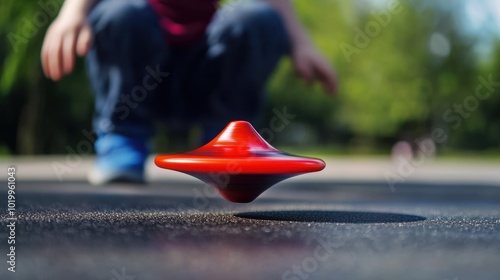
119	159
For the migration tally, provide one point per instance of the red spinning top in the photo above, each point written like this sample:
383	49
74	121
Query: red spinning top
239	163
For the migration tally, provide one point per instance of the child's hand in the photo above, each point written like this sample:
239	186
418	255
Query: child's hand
308	62
65	37
311	66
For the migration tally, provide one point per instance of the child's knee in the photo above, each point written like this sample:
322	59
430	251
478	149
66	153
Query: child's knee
259	14
255	21
121	16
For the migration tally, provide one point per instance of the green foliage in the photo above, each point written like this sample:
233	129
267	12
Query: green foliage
391	86
39	116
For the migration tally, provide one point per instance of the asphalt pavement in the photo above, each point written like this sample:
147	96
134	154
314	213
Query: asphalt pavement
318	227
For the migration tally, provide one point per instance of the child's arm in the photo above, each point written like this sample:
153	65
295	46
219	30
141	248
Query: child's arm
68	35
308	62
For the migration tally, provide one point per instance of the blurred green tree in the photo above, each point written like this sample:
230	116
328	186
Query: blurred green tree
39	116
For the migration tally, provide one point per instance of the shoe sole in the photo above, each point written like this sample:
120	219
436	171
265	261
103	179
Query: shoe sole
99	178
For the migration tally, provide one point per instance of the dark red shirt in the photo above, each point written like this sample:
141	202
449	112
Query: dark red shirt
184	21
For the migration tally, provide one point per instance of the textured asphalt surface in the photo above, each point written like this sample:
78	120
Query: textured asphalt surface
296	230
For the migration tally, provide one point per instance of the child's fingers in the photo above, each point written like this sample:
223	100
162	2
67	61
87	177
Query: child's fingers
329	82
304	70
84	41
326	76
54	58
68	52
44	56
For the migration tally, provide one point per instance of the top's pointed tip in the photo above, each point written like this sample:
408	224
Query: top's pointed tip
241	132
236	129
240	122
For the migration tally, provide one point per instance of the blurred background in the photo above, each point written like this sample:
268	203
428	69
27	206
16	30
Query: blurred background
406	68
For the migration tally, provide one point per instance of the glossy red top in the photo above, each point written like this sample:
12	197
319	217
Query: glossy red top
239	163
239	147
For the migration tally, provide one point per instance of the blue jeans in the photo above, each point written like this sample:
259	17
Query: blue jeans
138	78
